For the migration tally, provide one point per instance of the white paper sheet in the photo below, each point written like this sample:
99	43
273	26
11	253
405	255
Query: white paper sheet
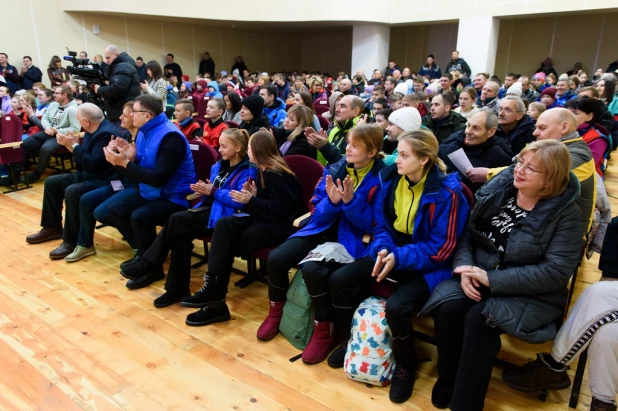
461	161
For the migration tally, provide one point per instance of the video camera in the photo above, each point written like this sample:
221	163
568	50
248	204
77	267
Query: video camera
91	73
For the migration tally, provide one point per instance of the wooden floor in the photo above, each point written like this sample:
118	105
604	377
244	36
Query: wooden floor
72	336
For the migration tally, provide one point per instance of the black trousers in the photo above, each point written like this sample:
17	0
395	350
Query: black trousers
42	144
235	236
135	217
177	236
67	188
350	285
467	348
286	256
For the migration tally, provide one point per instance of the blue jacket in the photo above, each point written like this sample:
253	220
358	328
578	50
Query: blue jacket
276	113
565	97
224	206
440	221
355	218
433	72
147	143
216	93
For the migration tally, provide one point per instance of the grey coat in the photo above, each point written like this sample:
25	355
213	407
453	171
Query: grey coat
541	255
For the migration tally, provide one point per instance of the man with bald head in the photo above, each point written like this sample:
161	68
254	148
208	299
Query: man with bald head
560	124
123	83
93	171
346	87
331	146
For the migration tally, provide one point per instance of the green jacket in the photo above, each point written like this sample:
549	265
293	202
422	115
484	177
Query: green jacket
68	119
337	141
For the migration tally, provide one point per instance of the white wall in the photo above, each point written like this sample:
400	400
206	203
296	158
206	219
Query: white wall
370	44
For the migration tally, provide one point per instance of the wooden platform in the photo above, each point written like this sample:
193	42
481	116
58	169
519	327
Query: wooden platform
72	336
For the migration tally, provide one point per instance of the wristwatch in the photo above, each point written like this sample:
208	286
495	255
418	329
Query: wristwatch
74	145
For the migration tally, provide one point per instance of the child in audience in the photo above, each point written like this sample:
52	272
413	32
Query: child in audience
396	101
5	100
232	108
229	173
291	137
303	98
548	97
342	211
535	109
183	112
419	215
270	203
214	122
467	100
381	117
185	90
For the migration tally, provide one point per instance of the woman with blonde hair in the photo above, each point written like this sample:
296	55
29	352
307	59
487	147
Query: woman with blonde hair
270	202
511	270
422	212
291	137
316	88
343	207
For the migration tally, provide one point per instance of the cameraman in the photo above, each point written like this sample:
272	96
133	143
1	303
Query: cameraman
123	83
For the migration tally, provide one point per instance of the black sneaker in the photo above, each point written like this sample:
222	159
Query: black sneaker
168	299
138	269
32	177
598	405
441	395
130	262
214	313
536	376
206	295
337	357
402	385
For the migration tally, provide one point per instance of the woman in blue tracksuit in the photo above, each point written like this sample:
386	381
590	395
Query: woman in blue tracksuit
229	173
342	212
420	214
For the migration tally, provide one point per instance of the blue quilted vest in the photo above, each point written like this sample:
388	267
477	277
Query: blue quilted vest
147	144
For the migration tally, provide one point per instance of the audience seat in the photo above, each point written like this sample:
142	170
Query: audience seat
11	153
324	123
321	108
231	124
309	172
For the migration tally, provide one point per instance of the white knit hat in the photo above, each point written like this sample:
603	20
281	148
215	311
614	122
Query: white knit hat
401	88
406	118
515	89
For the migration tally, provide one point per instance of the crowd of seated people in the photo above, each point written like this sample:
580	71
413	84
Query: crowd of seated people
392	194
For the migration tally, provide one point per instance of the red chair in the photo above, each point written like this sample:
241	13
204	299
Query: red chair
204	157
324	123
309	172
201	106
11	153
321	108
200	120
231	124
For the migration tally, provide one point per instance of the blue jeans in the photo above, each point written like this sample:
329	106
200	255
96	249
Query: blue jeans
87	205
135	217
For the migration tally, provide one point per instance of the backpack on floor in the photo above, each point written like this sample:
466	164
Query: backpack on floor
369	357
297	320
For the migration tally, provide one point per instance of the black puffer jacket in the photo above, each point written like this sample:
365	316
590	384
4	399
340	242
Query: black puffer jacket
520	135
123	86
495	152
453	123
540	256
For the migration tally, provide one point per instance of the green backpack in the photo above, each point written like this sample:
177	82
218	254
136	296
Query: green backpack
297	320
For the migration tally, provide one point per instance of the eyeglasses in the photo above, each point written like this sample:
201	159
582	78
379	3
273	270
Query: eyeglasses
527	169
142	111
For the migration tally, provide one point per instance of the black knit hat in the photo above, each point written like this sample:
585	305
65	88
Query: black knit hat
255	104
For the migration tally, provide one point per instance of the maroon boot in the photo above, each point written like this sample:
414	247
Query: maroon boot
270	327
321	343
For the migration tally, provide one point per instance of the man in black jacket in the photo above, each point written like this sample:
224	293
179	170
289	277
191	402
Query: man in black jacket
207	65
479	145
123	83
516	127
29	74
458	64
442	121
93	171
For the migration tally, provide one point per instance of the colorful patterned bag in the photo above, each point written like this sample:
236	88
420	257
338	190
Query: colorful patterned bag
369	357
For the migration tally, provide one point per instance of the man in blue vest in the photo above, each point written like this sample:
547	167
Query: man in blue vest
161	165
